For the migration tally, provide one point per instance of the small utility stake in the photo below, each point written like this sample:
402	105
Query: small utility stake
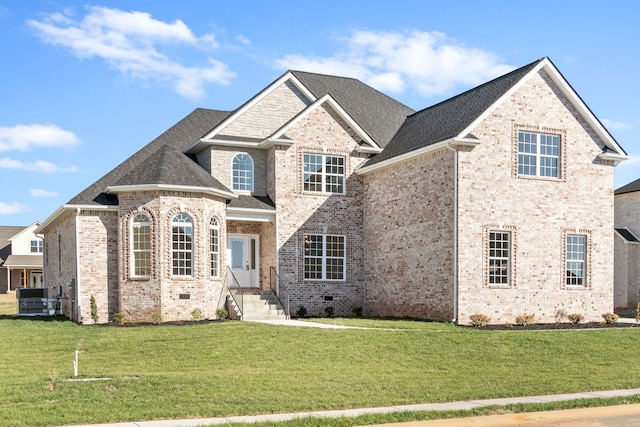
75	365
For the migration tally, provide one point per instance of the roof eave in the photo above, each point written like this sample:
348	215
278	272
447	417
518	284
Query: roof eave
54	217
114	189
613	157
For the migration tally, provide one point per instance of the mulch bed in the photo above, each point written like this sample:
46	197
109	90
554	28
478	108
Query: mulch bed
552	326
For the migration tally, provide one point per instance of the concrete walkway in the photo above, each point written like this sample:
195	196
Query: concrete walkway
449	406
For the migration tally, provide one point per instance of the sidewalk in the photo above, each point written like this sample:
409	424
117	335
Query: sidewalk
449	406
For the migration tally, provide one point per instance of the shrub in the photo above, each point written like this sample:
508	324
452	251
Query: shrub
93	309
610	318
357	311
575	318
119	318
156	317
302	311
196	314
525	319
222	313
328	311
560	314
638	313
479	320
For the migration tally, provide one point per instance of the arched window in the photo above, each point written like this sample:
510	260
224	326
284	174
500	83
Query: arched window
214	247
182	245
242	175
141	245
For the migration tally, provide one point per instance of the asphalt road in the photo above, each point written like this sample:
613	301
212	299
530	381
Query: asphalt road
610	416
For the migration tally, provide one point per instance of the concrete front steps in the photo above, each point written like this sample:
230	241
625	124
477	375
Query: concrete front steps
261	306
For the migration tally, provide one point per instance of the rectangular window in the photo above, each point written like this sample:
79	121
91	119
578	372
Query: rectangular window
324	257
36	246
576	259
499	257
323	173
538	154
214	248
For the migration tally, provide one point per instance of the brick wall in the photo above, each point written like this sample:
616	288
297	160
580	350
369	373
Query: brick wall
538	212
627	256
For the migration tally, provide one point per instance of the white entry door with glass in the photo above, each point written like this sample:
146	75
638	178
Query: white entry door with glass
243	258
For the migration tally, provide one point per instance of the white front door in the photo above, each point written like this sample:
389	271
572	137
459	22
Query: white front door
242	253
36	280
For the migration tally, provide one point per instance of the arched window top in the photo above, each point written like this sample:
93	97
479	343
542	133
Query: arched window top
242	173
141	219
182	218
214	223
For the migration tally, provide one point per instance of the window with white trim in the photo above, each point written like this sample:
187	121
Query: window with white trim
499	258
141	245
182	245
242	172
324	257
538	154
36	246
576	254
324	173
214	247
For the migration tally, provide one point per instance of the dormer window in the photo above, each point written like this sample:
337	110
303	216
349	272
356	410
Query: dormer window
242	172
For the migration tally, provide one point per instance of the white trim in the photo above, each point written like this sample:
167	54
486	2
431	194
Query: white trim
70	207
337	108
613	157
225	143
453	142
154	187
270	142
625	241
254	215
251	185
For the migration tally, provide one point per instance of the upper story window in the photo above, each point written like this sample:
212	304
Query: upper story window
242	174
141	245
324	173
576	253
182	245
214	247
538	154
36	246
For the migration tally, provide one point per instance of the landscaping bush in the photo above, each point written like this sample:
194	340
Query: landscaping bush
525	319
575	318
329	311
119	318
357	311
302	311
479	320
560	314
196	314
222	313
610	318
94	309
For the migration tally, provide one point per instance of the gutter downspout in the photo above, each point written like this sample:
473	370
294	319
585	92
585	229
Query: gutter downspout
78	281
455	234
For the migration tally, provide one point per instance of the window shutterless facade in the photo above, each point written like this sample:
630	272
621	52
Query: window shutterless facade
324	257
499	258
36	246
182	245
538	155
214	247
242	172
576	250
323	173
141	245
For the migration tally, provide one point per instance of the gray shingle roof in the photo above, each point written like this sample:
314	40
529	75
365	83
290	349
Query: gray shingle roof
629	188
178	137
252	202
7	232
378	114
447	119
27	261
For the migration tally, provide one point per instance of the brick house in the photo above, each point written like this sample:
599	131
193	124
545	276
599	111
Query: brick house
627	245
474	205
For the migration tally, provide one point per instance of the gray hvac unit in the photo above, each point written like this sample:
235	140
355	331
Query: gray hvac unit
35	302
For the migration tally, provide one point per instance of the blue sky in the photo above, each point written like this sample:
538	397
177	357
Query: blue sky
84	85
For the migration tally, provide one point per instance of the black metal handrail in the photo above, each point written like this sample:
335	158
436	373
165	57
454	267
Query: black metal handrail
281	292
234	291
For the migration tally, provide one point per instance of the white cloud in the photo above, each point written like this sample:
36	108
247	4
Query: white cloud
12	208
37	166
26	137
615	125
38	192
428	62
131	42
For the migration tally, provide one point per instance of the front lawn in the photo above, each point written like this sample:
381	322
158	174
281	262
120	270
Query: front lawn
216	369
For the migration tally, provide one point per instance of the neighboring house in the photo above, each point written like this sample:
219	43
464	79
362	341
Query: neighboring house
20	258
627	245
498	201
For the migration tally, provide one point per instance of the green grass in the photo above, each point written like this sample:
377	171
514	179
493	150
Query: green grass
8	304
241	368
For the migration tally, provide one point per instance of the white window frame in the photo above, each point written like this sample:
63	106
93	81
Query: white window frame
499	263
242	173
539	156
214	248
36	244
323	260
325	173
140	227
182	246
575	259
